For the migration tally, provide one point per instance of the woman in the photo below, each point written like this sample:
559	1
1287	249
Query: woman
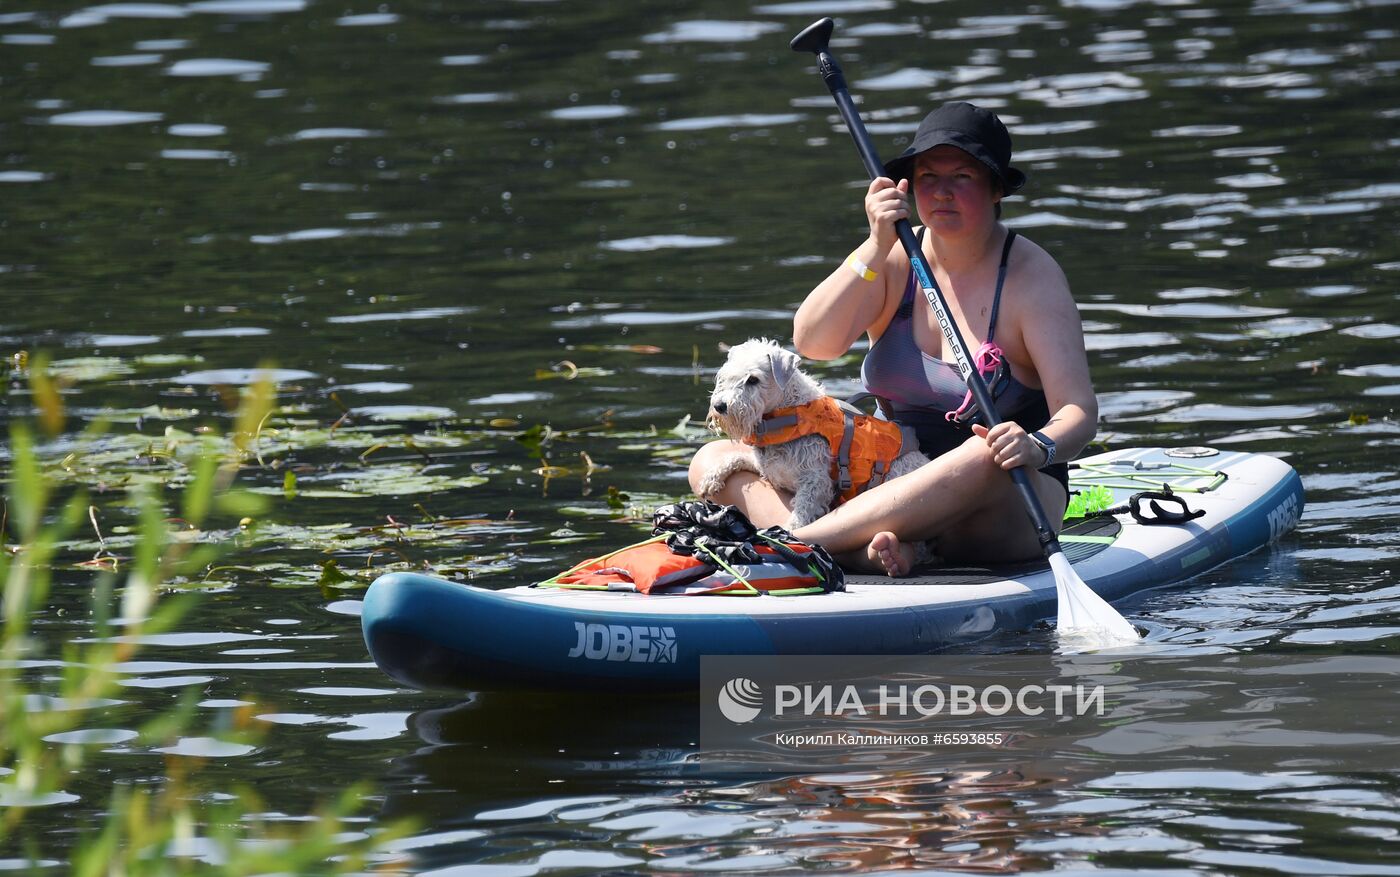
999	287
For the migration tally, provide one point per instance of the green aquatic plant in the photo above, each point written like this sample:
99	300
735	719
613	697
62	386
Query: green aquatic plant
304	458
50	692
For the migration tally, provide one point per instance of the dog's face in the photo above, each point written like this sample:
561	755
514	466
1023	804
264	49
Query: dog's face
752	382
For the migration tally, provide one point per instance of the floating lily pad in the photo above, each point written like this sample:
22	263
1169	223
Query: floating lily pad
150	412
313	537
403	479
572	372
631	505
309	493
202	586
565	536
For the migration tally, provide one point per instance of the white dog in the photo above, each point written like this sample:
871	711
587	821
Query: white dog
800	449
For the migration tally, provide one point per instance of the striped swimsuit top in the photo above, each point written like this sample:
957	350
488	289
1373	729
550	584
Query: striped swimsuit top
919	390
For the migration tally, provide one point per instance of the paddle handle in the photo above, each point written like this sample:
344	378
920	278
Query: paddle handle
814	39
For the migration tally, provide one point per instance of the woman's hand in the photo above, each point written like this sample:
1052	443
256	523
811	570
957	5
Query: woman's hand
886	202
1011	446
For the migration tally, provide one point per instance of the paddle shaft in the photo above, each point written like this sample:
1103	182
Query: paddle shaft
813	39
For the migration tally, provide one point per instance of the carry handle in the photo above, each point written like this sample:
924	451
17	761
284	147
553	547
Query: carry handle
1161	515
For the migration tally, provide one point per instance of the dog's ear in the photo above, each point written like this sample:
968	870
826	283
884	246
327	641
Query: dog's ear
784	363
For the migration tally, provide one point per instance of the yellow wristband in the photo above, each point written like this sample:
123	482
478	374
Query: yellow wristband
862	270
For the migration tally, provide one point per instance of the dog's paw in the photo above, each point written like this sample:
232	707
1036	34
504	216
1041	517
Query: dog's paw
710	485
715	478
803	513
796	520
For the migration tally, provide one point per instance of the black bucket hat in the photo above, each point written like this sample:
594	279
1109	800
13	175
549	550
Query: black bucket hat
972	129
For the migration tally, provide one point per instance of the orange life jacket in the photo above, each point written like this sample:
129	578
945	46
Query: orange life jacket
862	447
652	568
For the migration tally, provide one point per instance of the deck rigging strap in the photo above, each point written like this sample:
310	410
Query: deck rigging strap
1182	478
1159	515
723	533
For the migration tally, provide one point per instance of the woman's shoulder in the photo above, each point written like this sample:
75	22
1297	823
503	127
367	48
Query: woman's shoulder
1026	253
1031	268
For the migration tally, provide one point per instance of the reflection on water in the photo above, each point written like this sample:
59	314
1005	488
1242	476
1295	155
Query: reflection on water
493	256
515	792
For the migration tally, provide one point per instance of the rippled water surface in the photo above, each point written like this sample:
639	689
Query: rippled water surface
493	251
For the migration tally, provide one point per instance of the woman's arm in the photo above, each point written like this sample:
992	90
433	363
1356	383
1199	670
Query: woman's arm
845	305
1053	337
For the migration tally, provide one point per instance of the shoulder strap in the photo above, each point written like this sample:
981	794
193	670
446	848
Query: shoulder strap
1001	279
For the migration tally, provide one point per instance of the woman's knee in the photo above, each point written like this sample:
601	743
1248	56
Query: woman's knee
977	457
699	464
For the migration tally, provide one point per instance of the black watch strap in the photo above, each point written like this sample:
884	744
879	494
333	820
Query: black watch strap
1047	444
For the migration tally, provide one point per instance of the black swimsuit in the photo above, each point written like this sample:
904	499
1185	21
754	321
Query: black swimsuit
919	390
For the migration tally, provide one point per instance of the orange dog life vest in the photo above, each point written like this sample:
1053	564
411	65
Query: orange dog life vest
862	447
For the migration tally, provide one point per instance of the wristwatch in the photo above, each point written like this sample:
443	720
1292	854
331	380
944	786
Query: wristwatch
1046	444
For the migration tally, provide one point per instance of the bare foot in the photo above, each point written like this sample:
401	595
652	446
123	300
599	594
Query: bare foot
886	552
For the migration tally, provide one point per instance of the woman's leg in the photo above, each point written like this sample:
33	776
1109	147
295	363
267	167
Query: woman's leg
760	501
1003	531
963	501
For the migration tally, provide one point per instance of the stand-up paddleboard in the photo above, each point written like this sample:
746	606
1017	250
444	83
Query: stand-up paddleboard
431	633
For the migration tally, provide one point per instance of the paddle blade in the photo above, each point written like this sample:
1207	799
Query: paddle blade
1085	618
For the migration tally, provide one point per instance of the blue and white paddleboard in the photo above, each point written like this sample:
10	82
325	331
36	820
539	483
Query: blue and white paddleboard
432	633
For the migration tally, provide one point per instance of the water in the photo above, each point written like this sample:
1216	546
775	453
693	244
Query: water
450	229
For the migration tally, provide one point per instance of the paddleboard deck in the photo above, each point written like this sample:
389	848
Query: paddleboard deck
436	634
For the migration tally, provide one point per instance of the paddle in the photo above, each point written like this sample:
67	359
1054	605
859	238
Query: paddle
1082	612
